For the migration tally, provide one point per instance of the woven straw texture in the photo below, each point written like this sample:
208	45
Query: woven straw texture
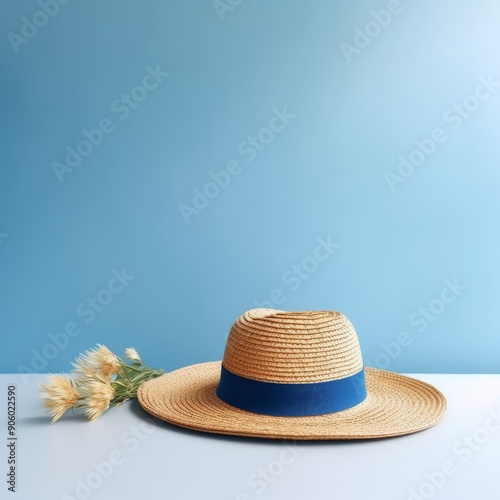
395	405
298	347
304	347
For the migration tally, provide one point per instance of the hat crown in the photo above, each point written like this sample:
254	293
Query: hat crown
293	347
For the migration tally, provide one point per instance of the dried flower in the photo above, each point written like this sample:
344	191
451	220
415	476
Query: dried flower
97	394
99	379
132	354
59	395
99	360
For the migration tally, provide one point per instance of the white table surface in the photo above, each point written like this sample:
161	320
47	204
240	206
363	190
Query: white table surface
155	460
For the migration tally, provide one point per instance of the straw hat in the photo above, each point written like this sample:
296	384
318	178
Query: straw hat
293	375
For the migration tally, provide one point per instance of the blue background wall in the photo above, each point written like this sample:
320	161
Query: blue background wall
412	254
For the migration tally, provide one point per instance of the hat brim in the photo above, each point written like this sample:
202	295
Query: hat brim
395	405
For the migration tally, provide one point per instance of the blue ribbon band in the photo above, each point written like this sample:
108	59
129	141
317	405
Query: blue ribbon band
291	400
